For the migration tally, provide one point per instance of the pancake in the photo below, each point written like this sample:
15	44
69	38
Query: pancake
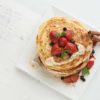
68	72
53	64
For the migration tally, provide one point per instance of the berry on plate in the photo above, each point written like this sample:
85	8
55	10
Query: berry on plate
90	63
71	79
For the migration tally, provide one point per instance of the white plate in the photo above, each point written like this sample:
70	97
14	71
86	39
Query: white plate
73	92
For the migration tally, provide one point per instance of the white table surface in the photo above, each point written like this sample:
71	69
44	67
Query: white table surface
16	85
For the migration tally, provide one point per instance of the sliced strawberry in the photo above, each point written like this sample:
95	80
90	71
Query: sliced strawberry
94	42
71	47
56	50
62	41
67	79
90	63
92	56
53	37
74	77
69	34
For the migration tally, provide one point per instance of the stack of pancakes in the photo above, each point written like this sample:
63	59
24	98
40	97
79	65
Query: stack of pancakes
80	37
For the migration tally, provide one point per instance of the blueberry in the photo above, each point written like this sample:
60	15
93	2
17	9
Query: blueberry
62	78
82	78
51	43
93	51
64	29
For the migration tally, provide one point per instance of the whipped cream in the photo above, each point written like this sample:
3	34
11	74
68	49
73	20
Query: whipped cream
51	62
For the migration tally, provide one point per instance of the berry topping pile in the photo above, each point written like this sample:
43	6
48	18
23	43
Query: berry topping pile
62	43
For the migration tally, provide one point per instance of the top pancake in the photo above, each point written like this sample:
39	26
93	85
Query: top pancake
80	36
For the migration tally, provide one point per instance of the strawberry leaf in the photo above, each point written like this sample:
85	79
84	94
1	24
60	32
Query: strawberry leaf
60	34
85	71
64	53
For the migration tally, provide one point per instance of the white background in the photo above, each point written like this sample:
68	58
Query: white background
15	85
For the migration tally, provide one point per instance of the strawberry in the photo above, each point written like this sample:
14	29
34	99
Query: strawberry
69	34
92	56
74	77
71	47
62	41
52	36
90	63
67	79
56	50
71	79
